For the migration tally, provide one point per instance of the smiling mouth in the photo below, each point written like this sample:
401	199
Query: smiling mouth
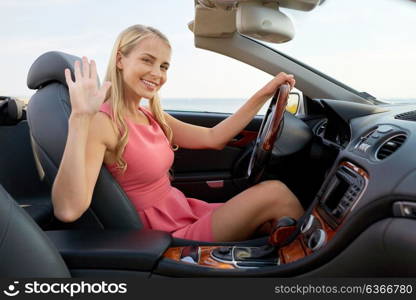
149	85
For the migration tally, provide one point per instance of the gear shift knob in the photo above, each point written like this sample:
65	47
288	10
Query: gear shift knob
282	230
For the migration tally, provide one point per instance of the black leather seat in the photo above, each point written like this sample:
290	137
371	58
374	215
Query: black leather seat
48	112
25	250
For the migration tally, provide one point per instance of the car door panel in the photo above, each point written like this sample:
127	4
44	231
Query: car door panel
208	174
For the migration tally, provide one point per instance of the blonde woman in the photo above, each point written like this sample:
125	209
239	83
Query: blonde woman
108	125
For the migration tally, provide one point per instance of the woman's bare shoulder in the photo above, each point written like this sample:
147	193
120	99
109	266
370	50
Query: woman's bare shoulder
102	128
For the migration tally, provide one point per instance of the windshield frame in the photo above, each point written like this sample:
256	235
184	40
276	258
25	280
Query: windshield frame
364	95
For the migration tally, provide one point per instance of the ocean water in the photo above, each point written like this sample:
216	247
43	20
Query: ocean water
401	100
228	105
225	105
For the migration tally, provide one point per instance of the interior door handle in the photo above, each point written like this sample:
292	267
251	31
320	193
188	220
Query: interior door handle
215	184
243	138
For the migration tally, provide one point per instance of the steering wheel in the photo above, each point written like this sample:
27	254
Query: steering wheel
269	131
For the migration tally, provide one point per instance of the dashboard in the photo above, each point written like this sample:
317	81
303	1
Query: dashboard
362	218
374	137
371	149
372	178
378	139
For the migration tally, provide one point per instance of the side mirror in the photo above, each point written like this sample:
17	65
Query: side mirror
293	102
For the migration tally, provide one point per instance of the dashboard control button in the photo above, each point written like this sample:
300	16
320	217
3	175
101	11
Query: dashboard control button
364	147
384	129
224	250
405	209
307	225
317	239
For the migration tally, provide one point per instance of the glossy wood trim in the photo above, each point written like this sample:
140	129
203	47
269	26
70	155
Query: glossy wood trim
279	110
247	137
330	232
298	248
280	235
292	252
174	253
204	260
355	168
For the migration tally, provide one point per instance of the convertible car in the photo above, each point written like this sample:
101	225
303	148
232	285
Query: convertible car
348	157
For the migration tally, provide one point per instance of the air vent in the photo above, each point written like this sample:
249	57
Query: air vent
390	146
409	116
321	127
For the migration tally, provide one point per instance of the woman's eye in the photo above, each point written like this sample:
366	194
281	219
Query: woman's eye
165	68
146	60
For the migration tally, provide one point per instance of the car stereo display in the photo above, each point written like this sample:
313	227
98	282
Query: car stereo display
337	189
342	191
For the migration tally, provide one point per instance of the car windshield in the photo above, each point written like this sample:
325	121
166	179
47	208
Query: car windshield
368	45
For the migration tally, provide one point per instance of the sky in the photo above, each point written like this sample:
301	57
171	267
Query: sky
367	44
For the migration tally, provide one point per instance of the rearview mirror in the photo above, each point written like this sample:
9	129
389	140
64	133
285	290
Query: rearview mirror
264	21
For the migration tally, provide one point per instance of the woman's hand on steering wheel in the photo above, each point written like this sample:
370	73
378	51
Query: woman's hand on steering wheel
270	88
271	126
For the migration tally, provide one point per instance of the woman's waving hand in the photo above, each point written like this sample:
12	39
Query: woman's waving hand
85	93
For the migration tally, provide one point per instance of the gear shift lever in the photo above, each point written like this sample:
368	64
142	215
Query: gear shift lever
283	229
258	256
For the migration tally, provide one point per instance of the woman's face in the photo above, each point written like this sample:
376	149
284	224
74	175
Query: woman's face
144	69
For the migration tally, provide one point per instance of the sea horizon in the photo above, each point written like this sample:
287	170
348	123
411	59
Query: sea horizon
220	105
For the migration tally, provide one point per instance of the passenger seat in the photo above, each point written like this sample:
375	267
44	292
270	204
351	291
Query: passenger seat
25	250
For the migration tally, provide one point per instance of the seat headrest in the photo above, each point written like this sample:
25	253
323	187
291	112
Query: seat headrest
11	111
49	67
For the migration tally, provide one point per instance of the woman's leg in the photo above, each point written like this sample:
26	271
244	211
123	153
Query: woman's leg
243	214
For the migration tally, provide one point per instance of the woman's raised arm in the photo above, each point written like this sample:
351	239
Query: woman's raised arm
85	146
197	137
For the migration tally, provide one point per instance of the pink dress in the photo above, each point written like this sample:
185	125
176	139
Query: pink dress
146	182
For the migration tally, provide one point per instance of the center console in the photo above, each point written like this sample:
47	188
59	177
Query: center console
147	252
337	198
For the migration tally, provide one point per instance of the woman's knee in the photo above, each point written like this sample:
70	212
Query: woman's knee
277	195
271	184
275	190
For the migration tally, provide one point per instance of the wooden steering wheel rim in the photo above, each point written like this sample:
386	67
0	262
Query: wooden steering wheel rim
265	141
282	96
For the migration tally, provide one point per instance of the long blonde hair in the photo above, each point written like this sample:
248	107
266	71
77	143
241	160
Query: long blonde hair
124	44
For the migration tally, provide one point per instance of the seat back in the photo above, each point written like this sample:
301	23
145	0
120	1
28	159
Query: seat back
25	250
48	112
11	111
